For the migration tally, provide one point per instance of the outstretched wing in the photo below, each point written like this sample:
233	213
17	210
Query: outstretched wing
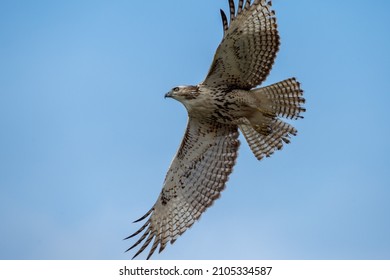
248	49
194	180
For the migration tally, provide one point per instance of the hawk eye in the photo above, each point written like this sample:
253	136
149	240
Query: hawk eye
176	89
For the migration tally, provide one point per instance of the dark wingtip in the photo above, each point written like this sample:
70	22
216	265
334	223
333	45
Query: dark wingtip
223	15
224	21
132	247
130	236
144	216
139	252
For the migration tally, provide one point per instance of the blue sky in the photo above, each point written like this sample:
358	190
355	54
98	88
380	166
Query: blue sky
87	137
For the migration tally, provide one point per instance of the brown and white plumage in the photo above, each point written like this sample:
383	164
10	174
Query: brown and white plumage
248	48
195	179
224	103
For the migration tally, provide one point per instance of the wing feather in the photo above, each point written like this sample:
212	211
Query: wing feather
195	179
240	6
225	23
248	49
247	4
232	10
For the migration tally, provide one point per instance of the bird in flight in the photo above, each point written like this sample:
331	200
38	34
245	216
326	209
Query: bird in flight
226	102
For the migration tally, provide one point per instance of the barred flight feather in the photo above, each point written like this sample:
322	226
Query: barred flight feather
251	34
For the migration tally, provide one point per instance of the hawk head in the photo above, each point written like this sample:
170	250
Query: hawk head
183	93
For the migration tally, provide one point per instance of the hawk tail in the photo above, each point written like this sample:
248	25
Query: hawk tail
283	99
265	145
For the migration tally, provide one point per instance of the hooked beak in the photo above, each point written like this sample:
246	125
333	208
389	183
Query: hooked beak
169	94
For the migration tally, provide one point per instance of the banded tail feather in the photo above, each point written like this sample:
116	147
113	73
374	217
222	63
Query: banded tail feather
265	145
283	99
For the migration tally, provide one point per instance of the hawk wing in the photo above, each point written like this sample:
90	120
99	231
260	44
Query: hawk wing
196	177
248	49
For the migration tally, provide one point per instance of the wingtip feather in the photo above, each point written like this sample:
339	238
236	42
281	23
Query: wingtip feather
144	216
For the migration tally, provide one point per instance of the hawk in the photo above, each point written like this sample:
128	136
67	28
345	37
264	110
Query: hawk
226	102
